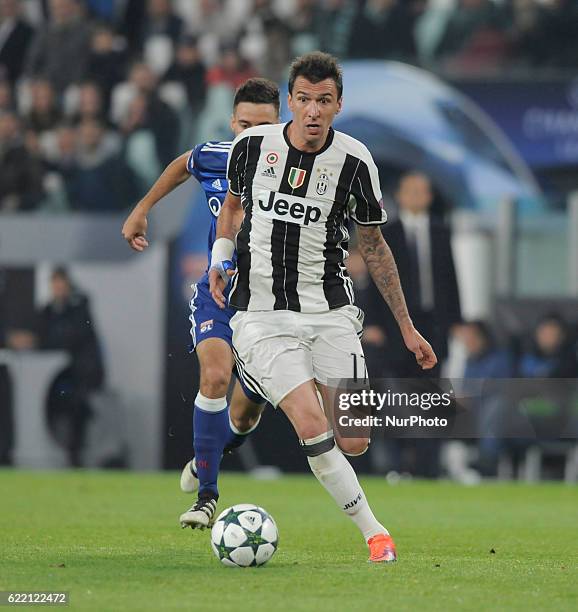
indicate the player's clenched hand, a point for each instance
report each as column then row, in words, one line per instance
column 420, row 347
column 217, row 285
column 134, row 230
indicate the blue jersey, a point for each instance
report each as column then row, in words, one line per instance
column 208, row 164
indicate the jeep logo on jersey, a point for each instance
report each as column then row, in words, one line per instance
column 296, row 177
column 289, row 208
column 322, row 184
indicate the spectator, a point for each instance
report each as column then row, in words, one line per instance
column 485, row 360
column 162, row 28
column 553, row 352
column 15, row 37
column 89, row 103
column 266, row 40
column 21, row 173
column 550, row 407
column 66, row 323
column 130, row 23
column 421, row 246
column 140, row 143
column 160, row 117
column 103, row 9
column 99, row 179
column 473, row 24
column 383, row 29
column 54, row 194
column 525, row 15
column 44, row 113
column 545, row 34
column 6, row 97
column 160, row 20
column 107, row 59
column 189, row 70
column 60, row 49
column 334, row 26
column 216, row 23
column 60, row 151
column 304, row 24
column 232, row 69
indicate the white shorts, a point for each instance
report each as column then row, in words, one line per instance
column 276, row 351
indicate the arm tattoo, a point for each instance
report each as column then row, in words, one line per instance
column 238, row 217
column 381, row 265
column 230, row 217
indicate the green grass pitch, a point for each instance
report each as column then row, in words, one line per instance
column 113, row 541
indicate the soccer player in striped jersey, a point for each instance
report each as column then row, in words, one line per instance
column 216, row 429
column 296, row 330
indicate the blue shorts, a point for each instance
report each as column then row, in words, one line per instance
column 210, row 321
column 207, row 319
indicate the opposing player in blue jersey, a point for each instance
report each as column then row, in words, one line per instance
column 256, row 102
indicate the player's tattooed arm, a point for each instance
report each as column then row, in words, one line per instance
column 238, row 217
column 381, row 265
column 230, row 217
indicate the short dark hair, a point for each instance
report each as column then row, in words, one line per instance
column 483, row 330
column 553, row 317
column 258, row 91
column 316, row 67
column 61, row 272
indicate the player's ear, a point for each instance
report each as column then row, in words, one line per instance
column 232, row 123
column 290, row 102
column 339, row 105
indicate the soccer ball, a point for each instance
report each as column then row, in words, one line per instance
column 244, row 536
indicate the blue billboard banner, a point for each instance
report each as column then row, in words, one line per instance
column 540, row 117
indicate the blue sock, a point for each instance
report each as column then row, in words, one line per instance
column 236, row 437
column 210, row 434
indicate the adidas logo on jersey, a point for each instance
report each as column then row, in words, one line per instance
column 269, row 173
column 289, row 208
column 217, row 184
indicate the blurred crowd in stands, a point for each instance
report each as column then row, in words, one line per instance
column 97, row 96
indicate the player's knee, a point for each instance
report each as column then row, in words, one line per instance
column 310, row 426
column 354, row 447
column 318, row 445
column 215, row 381
column 244, row 422
column 303, row 410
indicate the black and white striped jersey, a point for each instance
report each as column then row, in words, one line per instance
column 292, row 245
